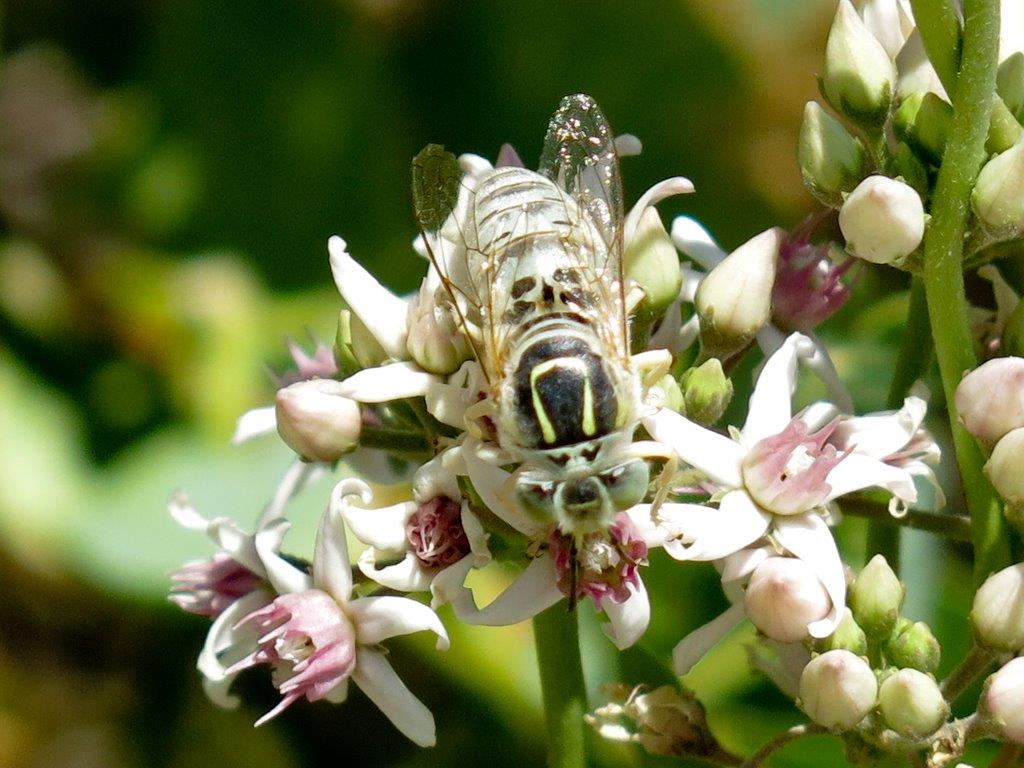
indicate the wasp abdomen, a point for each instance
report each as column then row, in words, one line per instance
column 562, row 394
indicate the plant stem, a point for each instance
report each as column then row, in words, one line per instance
column 556, row 635
column 394, row 440
column 911, row 364
column 784, row 738
column 955, row 527
column 970, row 669
column 943, row 260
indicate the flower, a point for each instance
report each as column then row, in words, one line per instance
column 911, row 703
column 998, row 610
column 207, row 587
column 415, row 543
column 882, row 220
column 1002, row 701
column 317, row 638
column 784, row 597
column 604, row 567
column 774, row 478
column 809, row 285
column 838, row 689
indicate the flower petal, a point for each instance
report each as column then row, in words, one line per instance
column 284, row 577
column 383, row 313
column 741, row 564
column 770, row 339
column 447, row 586
column 881, row 434
column 771, row 409
column 857, row 471
column 692, row 648
column 255, row 423
column 331, row 569
column 808, row 538
column 715, row 455
column 387, row 382
column 677, row 185
column 299, row 475
column 378, row 618
column 628, row 620
column 379, row 466
column 382, row 685
column 535, row 590
column 493, row 485
column 380, row 527
column 227, row 644
column 690, row 237
column 715, row 533
column 645, row 527
column 407, row 575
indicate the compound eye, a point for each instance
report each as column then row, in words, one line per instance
column 627, row 483
column 537, row 498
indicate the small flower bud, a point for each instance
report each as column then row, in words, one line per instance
column 1002, row 701
column 435, row 342
column 923, row 120
column 876, row 598
column 651, row 261
column 990, row 399
column 882, row 220
column 706, row 392
column 913, row 645
column 1004, row 468
column 859, row 76
column 831, row 160
column 838, row 689
column 998, row 611
column 998, row 196
column 1010, row 83
column 734, row 300
column 912, row 704
column 367, row 350
column 316, row 423
column 784, row 596
column 848, row 637
column 673, row 395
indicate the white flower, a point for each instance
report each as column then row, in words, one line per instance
column 775, row 478
column 415, row 544
column 317, row 637
column 606, row 563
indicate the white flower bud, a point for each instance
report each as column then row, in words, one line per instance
column 990, row 399
column 1005, row 467
column 838, row 690
column 734, row 300
column 652, row 262
column 831, row 160
column 784, row 596
column 882, row 220
column 998, row 196
column 859, row 76
column 998, row 612
column 316, row 423
column 1002, row 701
column 912, row 704
column 435, row 342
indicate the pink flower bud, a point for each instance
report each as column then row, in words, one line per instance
column 316, row 423
column 1003, row 701
column 838, row 690
column 998, row 611
column 990, row 399
column 882, row 220
column 784, row 596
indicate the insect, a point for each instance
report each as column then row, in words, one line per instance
column 531, row 263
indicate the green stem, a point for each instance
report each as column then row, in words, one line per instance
column 911, row 364
column 955, row 527
column 393, row 440
column 943, row 260
column 556, row 635
column 784, row 738
column 970, row 669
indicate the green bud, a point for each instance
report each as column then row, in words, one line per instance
column 923, row 121
column 1003, row 128
column 706, row 392
column 913, row 645
column 910, row 168
column 347, row 363
column 734, row 300
column 365, row 347
column 912, row 704
column 831, row 159
column 673, row 394
column 651, row 261
column 848, row 637
column 876, row 598
column 998, row 196
column 1010, row 83
column 859, row 76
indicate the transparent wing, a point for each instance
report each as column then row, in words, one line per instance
column 579, row 156
column 441, row 195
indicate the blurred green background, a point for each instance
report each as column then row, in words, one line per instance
column 170, row 171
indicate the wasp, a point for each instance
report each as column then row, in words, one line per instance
column 531, row 263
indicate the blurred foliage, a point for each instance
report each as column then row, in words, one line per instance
column 169, row 175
